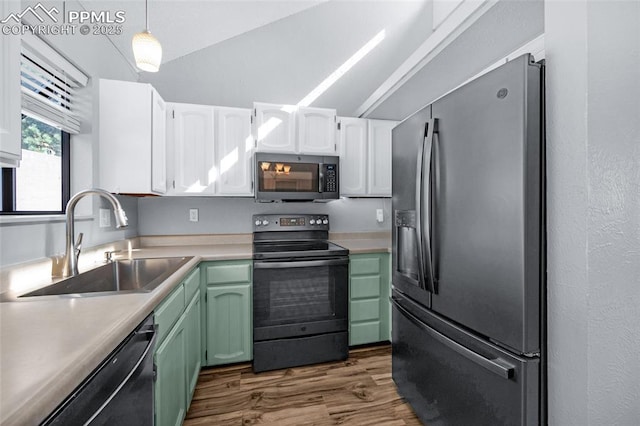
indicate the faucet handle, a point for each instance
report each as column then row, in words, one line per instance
column 78, row 244
column 108, row 256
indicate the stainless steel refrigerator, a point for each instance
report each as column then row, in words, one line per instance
column 469, row 253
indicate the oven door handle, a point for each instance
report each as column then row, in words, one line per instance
column 302, row 264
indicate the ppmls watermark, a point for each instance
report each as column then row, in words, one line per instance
column 50, row 21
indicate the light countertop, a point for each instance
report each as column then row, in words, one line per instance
column 48, row 346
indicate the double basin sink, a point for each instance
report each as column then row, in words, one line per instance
column 117, row 277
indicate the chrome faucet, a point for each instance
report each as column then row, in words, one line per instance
column 72, row 251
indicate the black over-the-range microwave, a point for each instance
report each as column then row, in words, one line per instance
column 293, row 177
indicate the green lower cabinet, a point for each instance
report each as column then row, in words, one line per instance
column 192, row 347
column 171, row 382
column 369, row 289
column 229, row 314
column 229, row 326
column 178, row 351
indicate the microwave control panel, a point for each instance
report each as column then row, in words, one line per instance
column 330, row 178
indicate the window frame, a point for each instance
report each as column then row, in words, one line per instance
column 9, row 185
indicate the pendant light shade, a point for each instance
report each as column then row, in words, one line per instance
column 147, row 51
column 146, row 48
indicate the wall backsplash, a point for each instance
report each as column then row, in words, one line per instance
column 170, row 216
column 25, row 241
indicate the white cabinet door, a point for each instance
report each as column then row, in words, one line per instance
column 193, row 142
column 234, row 146
column 125, row 136
column 158, row 144
column 10, row 126
column 353, row 156
column 273, row 127
column 316, row 130
column 379, row 157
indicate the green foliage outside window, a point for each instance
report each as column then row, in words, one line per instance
column 40, row 137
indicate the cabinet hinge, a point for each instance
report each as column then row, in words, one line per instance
column 155, row 372
column 335, row 147
column 173, row 113
column 335, row 118
column 255, row 144
column 205, row 297
column 339, row 125
column 174, row 184
column 252, row 119
column 251, row 185
column 206, row 355
column 255, row 112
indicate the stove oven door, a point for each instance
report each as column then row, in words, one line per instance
column 300, row 297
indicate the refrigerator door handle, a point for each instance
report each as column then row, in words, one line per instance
column 423, row 172
column 419, row 179
column 497, row 365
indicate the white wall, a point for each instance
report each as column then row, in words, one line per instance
column 21, row 241
column 593, row 159
column 501, row 30
column 170, row 215
column 283, row 61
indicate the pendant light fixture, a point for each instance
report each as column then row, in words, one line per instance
column 146, row 48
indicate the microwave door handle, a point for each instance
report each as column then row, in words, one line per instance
column 321, row 178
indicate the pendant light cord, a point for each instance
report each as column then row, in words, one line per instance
column 146, row 14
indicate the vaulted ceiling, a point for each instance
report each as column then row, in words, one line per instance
column 185, row 26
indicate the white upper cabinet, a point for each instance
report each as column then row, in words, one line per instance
column 192, row 140
column 131, row 138
column 10, row 127
column 365, row 157
column 379, row 157
column 295, row 130
column 316, row 130
column 274, row 127
column 159, row 144
column 353, row 156
column 234, row 145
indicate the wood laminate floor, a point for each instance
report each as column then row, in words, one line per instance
column 358, row 391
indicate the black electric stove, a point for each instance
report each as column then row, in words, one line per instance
column 300, row 292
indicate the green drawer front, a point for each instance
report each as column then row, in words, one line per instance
column 191, row 285
column 366, row 286
column 365, row 265
column 363, row 310
column 366, row 332
column 169, row 311
column 229, row 273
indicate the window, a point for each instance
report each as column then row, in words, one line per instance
column 41, row 184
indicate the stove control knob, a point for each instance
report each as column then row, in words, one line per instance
column 258, row 222
column 312, row 222
column 325, row 221
column 265, row 222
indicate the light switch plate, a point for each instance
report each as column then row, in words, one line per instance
column 379, row 215
column 193, row 215
column 105, row 218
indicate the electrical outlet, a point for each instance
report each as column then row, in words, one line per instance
column 105, row 218
column 379, row 215
column 193, row 215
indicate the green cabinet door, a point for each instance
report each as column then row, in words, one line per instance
column 229, row 324
column 171, row 382
column 192, row 347
column 369, row 289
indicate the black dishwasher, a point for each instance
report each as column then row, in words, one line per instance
column 119, row 391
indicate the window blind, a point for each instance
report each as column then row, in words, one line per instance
column 49, row 89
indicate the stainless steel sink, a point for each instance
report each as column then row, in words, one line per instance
column 120, row 276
